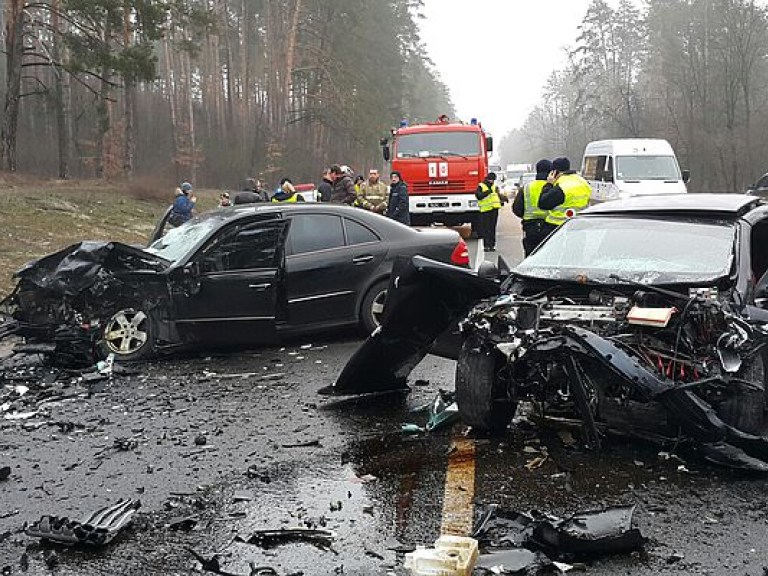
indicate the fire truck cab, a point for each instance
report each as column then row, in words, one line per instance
column 442, row 163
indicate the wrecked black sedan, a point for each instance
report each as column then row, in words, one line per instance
column 643, row 316
column 241, row 275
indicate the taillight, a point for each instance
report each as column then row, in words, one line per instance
column 460, row 255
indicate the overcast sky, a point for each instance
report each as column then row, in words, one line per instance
column 495, row 55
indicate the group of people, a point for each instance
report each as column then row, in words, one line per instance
column 557, row 193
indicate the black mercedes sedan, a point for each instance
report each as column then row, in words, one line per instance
column 234, row 276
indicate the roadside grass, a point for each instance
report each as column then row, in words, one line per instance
column 38, row 217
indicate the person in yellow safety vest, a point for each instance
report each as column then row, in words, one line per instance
column 526, row 207
column 489, row 201
column 287, row 193
column 564, row 195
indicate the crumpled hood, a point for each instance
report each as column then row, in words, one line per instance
column 74, row 269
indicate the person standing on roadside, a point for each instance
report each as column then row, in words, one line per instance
column 373, row 193
column 397, row 203
column 489, row 204
column 325, row 188
column 251, row 193
column 526, row 207
column 183, row 205
column 343, row 186
column 564, row 195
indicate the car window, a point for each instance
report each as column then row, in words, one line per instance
column 244, row 247
column 358, row 234
column 763, row 182
column 313, row 232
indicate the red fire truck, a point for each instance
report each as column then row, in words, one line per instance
column 442, row 162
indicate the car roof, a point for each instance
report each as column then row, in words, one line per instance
column 700, row 205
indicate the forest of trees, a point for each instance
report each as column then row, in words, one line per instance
column 692, row 71
column 208, row 90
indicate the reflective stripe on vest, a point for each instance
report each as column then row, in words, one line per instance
column 577, row 193
column 490, row 202
column 531, row 193
column 291, row 199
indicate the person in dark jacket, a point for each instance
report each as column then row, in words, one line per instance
column 343, row 186
column 287, row 193
column 564, row 195
column 526, row 207
column 325, row 188
column 397, row 205
column 251, row 193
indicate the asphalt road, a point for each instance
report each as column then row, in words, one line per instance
column 239, row 441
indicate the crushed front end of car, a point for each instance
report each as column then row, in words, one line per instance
column 88, row 300
column 651, row 363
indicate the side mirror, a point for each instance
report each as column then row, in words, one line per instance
column 488, row 270
column 192, row 269
column 686, row 176
column 489, row 144
column 385, row 152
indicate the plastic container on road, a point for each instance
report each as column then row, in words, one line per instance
column 451, row 556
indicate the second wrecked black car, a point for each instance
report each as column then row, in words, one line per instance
column 235, row 276
column 642, row 316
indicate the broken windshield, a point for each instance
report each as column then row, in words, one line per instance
column 438, row 143
column 179, row 242
column 644, row 250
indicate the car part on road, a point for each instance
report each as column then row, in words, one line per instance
column 513, row 561
column 95, row 529
column 5, row 472
column 451, row 556
column 583, row 535
column 270, row 538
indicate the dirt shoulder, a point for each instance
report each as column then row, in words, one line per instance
column 38, row 217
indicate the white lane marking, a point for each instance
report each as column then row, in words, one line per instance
column 459, row 488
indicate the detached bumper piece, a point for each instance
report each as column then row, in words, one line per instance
column 98, row 528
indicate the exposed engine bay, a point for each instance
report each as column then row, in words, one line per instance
column 671, row 363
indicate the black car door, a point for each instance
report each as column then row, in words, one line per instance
column 330, row 260
column 237, row 293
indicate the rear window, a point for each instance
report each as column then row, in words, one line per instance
column 358, row 234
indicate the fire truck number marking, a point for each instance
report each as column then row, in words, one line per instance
column 433, row 169
column 443, row 169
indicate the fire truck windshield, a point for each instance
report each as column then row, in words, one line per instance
column 438, row 144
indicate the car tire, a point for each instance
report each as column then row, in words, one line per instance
column 129, row 334
column 745, row 410
column 481, row 394
column 373, row 306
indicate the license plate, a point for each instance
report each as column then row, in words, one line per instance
column 438, row 204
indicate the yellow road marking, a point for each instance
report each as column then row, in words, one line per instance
column 459, row 488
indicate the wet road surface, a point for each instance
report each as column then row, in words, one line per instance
column 240, row 442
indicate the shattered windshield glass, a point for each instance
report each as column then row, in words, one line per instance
column 640, row 249
column 179, row 242
column 438, row 144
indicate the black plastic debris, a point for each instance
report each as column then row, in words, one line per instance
column 519, row 561
column 96, row 529
column 272, row 538
column 5, row 472
column 585, row 534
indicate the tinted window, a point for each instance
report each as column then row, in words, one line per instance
column 312, row 232
column 763, row 182
column 358, row 234
column 242, row 248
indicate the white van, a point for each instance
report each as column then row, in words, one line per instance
column 632, row 167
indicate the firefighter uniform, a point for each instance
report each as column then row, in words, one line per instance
column 488, row 203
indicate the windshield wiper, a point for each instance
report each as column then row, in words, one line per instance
column 447, row 153
column 670, row 293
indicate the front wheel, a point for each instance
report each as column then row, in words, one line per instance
column 481, row 393
column 372, row 308
column 129, row 334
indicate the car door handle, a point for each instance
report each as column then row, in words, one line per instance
column 260, row 287
column 362, row 259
